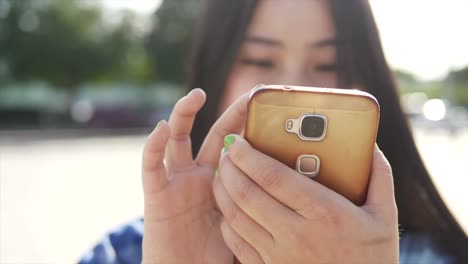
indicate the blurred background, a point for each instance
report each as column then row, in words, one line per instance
column 83, row 81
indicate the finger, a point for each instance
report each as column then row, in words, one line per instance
column 179, row 151
column 247, row 228
column 253, row 200
column 381, row 192
column 244, row 252
column 283, row 183
column 231, row 122
column 153, row 169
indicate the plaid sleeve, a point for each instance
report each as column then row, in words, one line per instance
column 122, row 246
column 420, row 249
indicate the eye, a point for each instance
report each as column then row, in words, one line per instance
column 332, row 67
column 258, row 62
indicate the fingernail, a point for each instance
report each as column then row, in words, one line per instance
column 160, row 123
column 191, row 92
column 228, row 141
column 223, row 151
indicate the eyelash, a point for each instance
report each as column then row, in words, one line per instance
column 258, row 62
column 326, row 67
column 269, row 64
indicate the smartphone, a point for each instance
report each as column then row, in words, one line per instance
column 324, row 133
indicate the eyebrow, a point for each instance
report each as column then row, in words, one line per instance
column 324, row 43
column 264, row 41
column 276, row 43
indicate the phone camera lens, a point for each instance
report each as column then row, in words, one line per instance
column 313, row 126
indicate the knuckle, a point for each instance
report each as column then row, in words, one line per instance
column 293, row 233
column 219, row 130
column 384, row 165
column 388, row 169
column 245, row 191
column 268, row 176
column 155, row 142
column 333, row 218
column 327, row 214
column 180, row 137
column 183, row 111
column 301, row 242
column 237, row 247
column 237, row 153
column 231, row 214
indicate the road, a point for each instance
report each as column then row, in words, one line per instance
column 59, row 196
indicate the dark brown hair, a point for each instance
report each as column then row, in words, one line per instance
column 361, row 62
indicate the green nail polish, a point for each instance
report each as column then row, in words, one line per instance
column 223, row 151
column 228, row 141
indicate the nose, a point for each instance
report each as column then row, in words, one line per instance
column 293, row 75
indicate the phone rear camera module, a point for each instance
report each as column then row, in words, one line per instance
column 309, row 127
column 312, row 126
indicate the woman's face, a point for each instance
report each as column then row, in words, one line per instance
column 288, row 42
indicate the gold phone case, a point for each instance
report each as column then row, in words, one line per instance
column 341, row 158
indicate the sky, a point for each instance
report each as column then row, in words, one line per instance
column 424, row 37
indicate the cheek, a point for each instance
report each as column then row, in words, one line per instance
column 240, row 81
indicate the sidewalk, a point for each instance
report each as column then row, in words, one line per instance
column 59, row 196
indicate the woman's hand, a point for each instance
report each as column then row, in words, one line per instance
column 181, row 220
column 273, row 214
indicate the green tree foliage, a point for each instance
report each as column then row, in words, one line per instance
column 459, row 80
column 67, row 43
column 453, row 88
column 169, row 40
column 459, row 75
column 406, row 81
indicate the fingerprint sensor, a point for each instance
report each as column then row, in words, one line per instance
column 309, row 165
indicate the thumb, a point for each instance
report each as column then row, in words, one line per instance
column 381, row 193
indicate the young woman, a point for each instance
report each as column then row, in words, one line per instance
column 253, row 207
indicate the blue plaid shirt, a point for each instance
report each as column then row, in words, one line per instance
column 123, row 246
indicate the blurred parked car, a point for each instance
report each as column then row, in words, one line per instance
column 36, row 105
column 32, row 105
column 437, row 114
column 122, row 106
column 109, row 107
